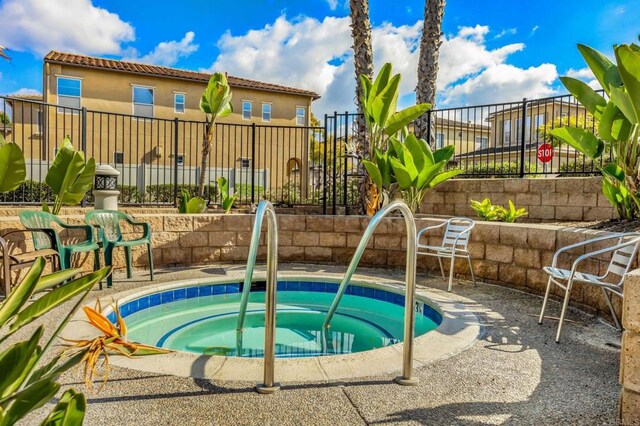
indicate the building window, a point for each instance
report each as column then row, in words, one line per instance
column 246, row 110
column 483, row 141
column 266, row 112
column 506, row 131
column 38, row 122
column 245, row 162
column 439, row 140
column 180, row 159
column 301, row 119
column 118, row 157
column 69, row 93
column 143, row 101
column 538, row 121
column 178, row 103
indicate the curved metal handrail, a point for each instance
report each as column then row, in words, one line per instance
column 265, row 208
column 410, row 282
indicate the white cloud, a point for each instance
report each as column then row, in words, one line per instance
column 333, row 4
column 70, row 25
column 507, row 31
column 317, row 55
column 167, row 53
column 585, row 75
column 27, row 91
column 534, row 29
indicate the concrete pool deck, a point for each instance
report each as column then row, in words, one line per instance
column 514, row 374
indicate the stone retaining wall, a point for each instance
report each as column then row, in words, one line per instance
column 509, row 254
column 556, row 199
column 630, row 356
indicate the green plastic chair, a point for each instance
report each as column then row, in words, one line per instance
column 110, row 236
column 45, row 236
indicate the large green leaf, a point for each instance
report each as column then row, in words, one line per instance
column 22, row 292
column 58, row 297
column 407, row 162
column 374, row 172
column 629, row 66
column 417, row 152
column 623, row 101
column 51, row 280
column 582, row 140
column 27, row 400
column 12, row 167
column 602, row 68
column 69, row 411
column 380, row 82
column 53, row 370
column 402, row 118
column 17, row 361
column 401, row 174
column 444, row 176
column 61, row 163
column 589, row 98
column 365, row 83
column 196, row 205
column 82, row 184
column 382, row 161
column 444, row 154
column 427, row 174
column 385, row 102
column 613, row 170
column 613, row 125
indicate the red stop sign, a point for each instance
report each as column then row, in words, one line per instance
column 545, row 153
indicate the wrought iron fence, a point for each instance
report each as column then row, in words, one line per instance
column 286, row 164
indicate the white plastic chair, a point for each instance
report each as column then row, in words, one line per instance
column 624, row 251
column 454, row 244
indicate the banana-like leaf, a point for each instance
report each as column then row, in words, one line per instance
column 196, row 205
column 602, row 68
column 374, row 172
column 378, row 85
column 387, row 99
column 444, row 176
column 52, row 370
column 444, row 154
column 69, row 411
column 402, row 118
column 12, row 167
column 365, row 83
column 81, row 185
column 17, row 361
column 611, row 193
column 629, row 67
column 613, row 125
column 58, row 297
column 580, row 139
column 589, row 98
column 382, row 160
column 427, row 174
column 622, row 99
column 408, row 163
column 22, row 292
column 29, row 399
column 64, row 160
column 51, row 280
column 227, row 203
column 613, row 170
column 417, row 151
column 401, row 173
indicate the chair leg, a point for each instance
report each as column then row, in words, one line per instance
column 127, row 251
column 544, row 301
column 453, row 259
column 108, row 261
column 150, row 254
column 96, row 259
column 441, row 267
column 565, row 304
column 613, row 311
column 473, row 276
column 66, row 260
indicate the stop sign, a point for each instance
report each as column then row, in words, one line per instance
column 545, row 153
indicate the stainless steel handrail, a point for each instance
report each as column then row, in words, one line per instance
column 264, row 208
column 410, row 283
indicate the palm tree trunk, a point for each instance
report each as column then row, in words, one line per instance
column 206, row 149
column 428, row 62
column 363, row 61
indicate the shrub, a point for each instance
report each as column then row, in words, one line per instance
column 495, row 169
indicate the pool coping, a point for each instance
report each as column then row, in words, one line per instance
column 459, row 330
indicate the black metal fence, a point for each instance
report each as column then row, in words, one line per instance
column 286, row 164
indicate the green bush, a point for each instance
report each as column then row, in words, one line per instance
column 29, row 191
column 493, row 169
column 578, row 167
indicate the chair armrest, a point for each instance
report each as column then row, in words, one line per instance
column 429, row 228
column 581, row 244
column 88, row 230
column 146, row 227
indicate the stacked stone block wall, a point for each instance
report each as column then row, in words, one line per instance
column 630, row 354
column 546, row 200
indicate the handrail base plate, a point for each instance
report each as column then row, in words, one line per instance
column 267, row 389
column 411, row 381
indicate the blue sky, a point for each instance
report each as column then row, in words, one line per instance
column 492, row 51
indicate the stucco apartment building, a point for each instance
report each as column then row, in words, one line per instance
column 131, row 124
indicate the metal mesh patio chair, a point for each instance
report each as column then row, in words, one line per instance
column 454, row 244
column 623, row 249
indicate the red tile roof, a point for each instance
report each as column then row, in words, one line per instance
column 166, row 72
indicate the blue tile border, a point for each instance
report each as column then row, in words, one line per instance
column 173, row 295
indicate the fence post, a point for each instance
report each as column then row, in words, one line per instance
column 346, row 159
column 175, row 162
column 253, row 163
column 335, row 158
column 324, row 165
column 83, row 140
column 429, row 128
column 523, row 133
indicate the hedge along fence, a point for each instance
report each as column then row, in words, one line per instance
column 507, row 254
column 557, row 199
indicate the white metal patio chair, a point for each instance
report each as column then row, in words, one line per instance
column 454, row 244
column 624, row 251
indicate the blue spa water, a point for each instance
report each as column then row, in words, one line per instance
column 204, row 321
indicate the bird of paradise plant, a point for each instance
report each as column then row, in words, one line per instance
column 112, row 341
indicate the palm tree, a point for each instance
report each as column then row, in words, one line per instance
column 363, row 61
column 428, row 63
column 2, row 54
